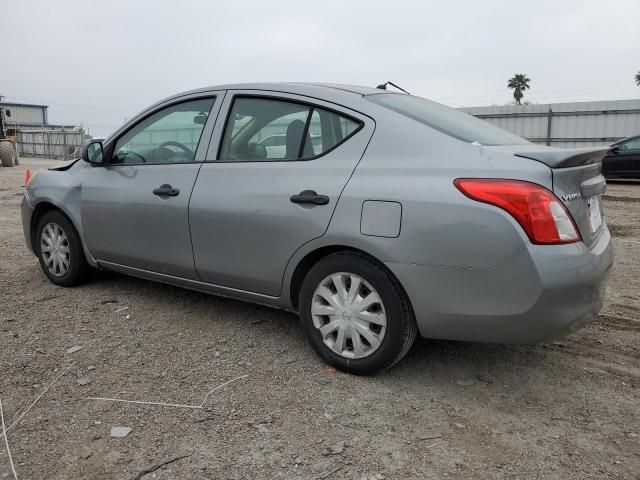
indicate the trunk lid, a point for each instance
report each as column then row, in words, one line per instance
column 577, row 182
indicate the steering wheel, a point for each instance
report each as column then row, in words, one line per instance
column 123, row 162
column 182, row 147
column 144, row 160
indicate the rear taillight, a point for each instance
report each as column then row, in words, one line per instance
column 540, row 213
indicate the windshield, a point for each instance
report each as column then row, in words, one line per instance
column 448, row 120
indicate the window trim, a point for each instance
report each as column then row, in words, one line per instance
column 305, row 132
column 111, row 146
column 310, row 105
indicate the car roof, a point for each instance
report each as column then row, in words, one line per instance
column 349, row 96
column 303, row 88
column 357, row 89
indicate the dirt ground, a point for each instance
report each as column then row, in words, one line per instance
column 565, row 410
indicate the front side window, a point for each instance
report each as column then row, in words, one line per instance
column 448, row 120
column 170, row 135
column 633, row 144
column 260, row 129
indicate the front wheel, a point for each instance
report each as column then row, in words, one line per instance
column 59, row 250
column 355, row 314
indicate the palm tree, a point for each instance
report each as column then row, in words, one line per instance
column 638, row 79
column 519, row 83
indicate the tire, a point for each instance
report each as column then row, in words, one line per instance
column 6, row 154
column 68, row 246
column 391, row 341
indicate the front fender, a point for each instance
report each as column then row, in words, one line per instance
column 61, row 190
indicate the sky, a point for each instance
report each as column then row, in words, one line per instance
column 97, row 63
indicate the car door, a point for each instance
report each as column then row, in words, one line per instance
column 134, row 209
column 253, row 207
column 623, row 160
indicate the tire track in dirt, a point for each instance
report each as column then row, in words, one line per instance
column 624, row 231
column 621, row 364
column 612, row 198
column 620, row 323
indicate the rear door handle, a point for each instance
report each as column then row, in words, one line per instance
column 310, row 197
column 166, row 190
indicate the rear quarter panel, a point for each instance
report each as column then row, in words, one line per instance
column 414, row 165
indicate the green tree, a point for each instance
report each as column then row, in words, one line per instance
column 638, row 79
column 519, row 83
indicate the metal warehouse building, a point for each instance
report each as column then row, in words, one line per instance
column 21, row 114
column 577, row 124
column 25, row 115
column 35, row 136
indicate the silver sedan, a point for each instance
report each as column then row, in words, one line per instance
column 381, row 215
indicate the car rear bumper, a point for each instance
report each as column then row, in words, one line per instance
column 26, row 211
column 538, row 293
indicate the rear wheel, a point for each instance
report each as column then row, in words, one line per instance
column 355, row 314
column 59, row 250
column 6, row 154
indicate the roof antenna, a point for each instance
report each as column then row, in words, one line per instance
column 384, row 87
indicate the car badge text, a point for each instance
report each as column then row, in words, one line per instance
column 571, row 196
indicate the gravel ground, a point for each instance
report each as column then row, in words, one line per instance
column 569, row 410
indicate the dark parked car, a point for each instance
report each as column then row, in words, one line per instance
column 623, row 160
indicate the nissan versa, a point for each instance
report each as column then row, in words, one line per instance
column 400, row 216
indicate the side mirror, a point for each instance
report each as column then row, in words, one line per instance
column 92, row 152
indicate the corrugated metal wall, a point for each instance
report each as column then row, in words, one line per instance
column 578, row 124
column 50, row 143
column 25, row 114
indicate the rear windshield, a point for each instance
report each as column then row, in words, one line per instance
column 448, row 120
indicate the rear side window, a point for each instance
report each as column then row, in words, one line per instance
column 326, row 130
column 448, row 120
column 260, row 129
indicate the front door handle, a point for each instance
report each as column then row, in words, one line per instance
column 166, row 190
column 311, row 197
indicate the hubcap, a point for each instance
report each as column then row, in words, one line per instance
column 54, row 247
column 349, row 314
